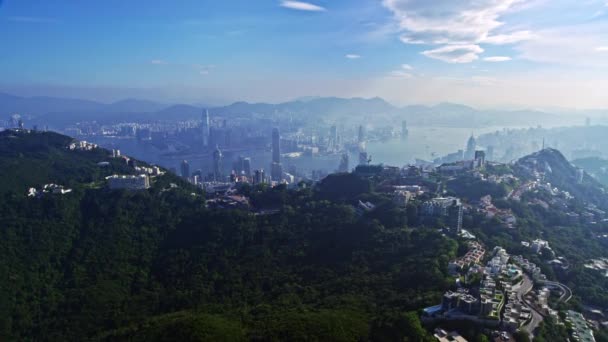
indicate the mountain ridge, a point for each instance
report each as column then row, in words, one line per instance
column 62, row 111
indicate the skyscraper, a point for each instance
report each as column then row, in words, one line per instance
column 344, row 161
column 469, row 154
column 185, row 168
column 259, row 177
column 217, row 165
column 480, row 159
column 404, row 131
column 247, row 167
column 205, row 129
column 333, row 143
column 363, row 158
column 490, row 153
column 276, row 146
column 361, row 135
column 276, row 170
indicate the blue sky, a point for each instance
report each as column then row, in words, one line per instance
column 488, row 53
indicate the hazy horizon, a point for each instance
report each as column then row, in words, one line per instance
column 485, row 54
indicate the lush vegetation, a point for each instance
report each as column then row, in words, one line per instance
column 158, row 265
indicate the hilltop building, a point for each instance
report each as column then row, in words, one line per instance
column 140, row 182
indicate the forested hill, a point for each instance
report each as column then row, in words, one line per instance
column 32, row 159
column 556, row 169
column 96, row 264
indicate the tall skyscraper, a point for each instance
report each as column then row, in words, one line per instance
column 344, row 163
column 404, row 131
column 276, row 146
column 259, row 177
column 480, row 159
column 361, row 135
column 276, row 170
column 185, row 168
column 469, row 154
column 205, row 129
column 217, row 165
column 363, row 158
column 490, row 153
column 333, row 143
column 247, row 167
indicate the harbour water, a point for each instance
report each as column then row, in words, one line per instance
column 424, row 143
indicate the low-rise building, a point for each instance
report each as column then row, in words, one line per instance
column 129, row 182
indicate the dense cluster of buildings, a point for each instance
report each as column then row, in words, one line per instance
column 473, row 256
column 506, row 216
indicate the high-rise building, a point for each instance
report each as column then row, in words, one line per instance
column 276, row 170
column 490, row 153
column 404, row 131
column 361, row 135
column 259, row 177
column 363, row 158
column 344, row 161
column 480, row 159
column 217, row 165
column 469, row 153
column 185, row 168
column 247, row 167
column 276, row 145
column 333, row 143
column 237, row 166
column 205, row 129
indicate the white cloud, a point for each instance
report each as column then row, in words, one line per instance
column 455, row 53
column 352, row 56
column 462, row 23
column 449, row 21
column 510, row 38
column 302, row 6
column 404, row 72
column 569, row 46
column 497, row 59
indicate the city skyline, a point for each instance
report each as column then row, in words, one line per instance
column 482, row 53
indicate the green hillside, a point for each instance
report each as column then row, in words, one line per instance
column 157, row 264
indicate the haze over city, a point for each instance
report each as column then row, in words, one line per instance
column 304, row 170
column 489, row 53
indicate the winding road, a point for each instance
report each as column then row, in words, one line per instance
column 537, row 317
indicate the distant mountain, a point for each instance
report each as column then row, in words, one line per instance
column 134, row 105
column 60, row 112
column 10, row 104
column 177, row 112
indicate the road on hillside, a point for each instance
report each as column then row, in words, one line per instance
column 537, row 317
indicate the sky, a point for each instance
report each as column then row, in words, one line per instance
column 485, row 53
